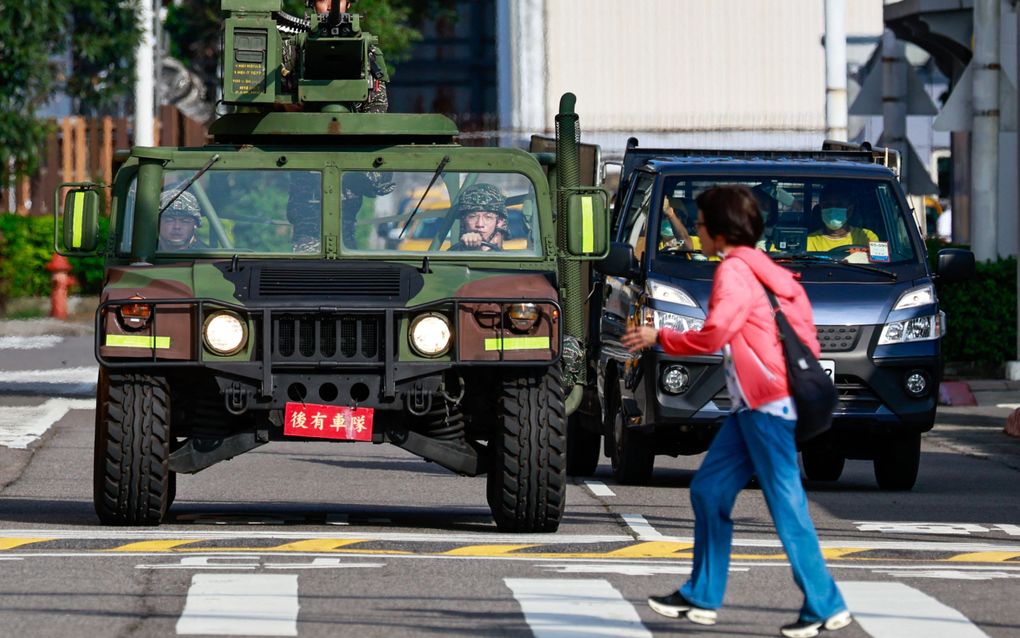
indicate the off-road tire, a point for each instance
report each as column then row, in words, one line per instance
column 632, row 456
column 132, row 484
column 584, row 447
column 897, row 462
column 526, row 485
column 821, row 464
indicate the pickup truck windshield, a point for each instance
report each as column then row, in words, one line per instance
column 399, row 213
column 847, row 220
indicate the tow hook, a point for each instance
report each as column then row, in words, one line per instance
column 419, row 400
column 236, row 399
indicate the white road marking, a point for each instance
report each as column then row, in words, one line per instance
column 21, row 425
column 324, row 563
column 204, row 562
column 29, row 343
column 1008, row 406
column 947, row 574
column 1012, row 530
column 959, row 529
column 598, row 488
column 887, row 610
column 642, row 528
column 84, row 374
column 625, row 569
column 561, row 608
column 241, row 604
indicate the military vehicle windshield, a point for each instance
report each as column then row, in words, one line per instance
column 246, row 211
column 398, row 212
column 847, row 220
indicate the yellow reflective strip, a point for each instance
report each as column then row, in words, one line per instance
column 518, row 343
column 650, row 549
column 11, row 543
column 984, row 557
column 151, row 546
column 486, row 550
column 587, row 225
column 77, row 219
column 138, row 341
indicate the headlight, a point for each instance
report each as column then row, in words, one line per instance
column 523, row 315
column 680, row 323
column 920, row 296
column 917, row 329
column 224, row 333
column 431, row 334
column 662, row 292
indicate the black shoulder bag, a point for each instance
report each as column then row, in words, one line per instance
column 811, row 389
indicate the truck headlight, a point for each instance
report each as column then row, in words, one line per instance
column 680, row 323
column 672, row 294
column 523, row 315
column 431, row 334
column 920, row 296
column 224, row 333
column 916, row 329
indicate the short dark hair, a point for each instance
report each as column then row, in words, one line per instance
column 732, row 211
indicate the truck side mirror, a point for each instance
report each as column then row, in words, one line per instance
column 587, row 221
column 80, row 217
column 620, row 262
column 955, row 265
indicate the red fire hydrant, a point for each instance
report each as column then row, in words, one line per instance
column 61, row 282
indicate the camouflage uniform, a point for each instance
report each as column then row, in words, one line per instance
column 483, row 198
column 184, row 205
column 304, row 205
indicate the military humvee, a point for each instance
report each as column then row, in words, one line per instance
column 290, row 315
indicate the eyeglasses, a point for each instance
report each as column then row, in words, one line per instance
column 487, row 216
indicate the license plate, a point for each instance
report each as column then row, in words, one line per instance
column 328, row 422
column 830, row 367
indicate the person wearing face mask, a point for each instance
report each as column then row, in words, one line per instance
column 837, row 210
column 673, row 235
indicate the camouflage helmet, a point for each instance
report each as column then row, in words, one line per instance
column 481, row 197
column 184, row 206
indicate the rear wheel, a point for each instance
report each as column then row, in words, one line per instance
column 526, row 485
column 632, row 455
column 132, row 484
column 897, row 462
column 584, row 446
column 823, row 464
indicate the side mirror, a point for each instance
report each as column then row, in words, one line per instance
column 955, row 265
column 80, row 221
column 587, row 222
column 620, row 262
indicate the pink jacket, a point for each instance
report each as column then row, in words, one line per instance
column 739, row 314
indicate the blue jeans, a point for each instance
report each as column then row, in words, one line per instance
column 751, row 442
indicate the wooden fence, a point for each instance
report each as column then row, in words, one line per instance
column 82, row 149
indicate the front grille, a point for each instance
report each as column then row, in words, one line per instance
column 343, row 338
column 855, row 395
column 838, row 338
column 329, row 282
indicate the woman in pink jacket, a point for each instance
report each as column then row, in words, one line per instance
column 757, row 438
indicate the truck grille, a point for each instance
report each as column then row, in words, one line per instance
column 327, row 281
column 838, row 338
column 855, row 395
column 342, row 338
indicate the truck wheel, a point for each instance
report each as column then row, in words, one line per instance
column 526, row 485
column 822, row 464
column 584, row 447
column 632, row 456
column 131, row 482
column 897, row 461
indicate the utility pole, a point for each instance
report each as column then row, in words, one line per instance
column 984, row 150
column 894, row 101
column 835, row 70
column 144, row 76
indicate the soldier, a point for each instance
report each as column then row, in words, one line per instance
column 483, row 219
column 178, row 223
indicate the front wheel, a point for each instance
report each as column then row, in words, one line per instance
column 132, row 484
column 526, row 485
column 896, row 464
column 821, row 464
column 632, row 455
column 584, row 446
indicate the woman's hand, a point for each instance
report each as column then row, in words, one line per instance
column 639, row 337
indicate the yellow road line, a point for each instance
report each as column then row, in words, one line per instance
column 485, row 550
column 650, row 549
column 152, row 546
column 11, row 543
column 984, row 557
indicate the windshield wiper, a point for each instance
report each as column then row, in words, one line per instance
column 191, row 180
column 823, row 259
column 435, row 176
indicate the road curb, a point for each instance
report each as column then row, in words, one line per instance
column 956, row 393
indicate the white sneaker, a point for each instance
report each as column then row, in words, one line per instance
column 810, row 629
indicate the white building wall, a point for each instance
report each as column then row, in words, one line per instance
column 736, row 68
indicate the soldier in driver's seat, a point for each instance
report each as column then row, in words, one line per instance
column 483, row 218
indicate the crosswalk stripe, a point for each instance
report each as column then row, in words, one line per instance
column 21, row 425
column 29, row 343
column 568, row 608
column 893, row 610
column 241, row 604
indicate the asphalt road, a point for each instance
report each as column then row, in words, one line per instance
column 335, row 539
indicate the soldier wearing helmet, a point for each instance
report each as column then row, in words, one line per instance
column 178, row 222
column 483, row 219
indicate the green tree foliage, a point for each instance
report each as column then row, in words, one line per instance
column 103, row 37
column 29, row 38
column 28, row 246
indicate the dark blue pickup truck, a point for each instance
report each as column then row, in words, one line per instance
column 840, row 221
